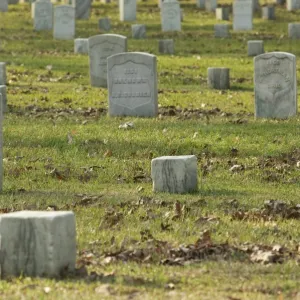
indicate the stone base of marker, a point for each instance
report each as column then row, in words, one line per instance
column 104, row 24
column 81, row 46
column 222, row 13
column 268, row 12
column 221, row 30
column 4, row 97
column 294, row 30
column 138, row 31
column 218, row 78
column 255, row 48
column 37, row 243
column 166, row 46
column 174, row 174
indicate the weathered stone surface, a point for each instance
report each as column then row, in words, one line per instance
column 43, row 15
column 81, row 46
column 294, row 30
column 200, row 4
column 218, row 78
column 255, row 48
column 242, row 15
column 166, row 46
column 82, row 9
column 104, row 24
column 138, row 31
column 132, row 84
column 2, row 73
column 64, row 22
column 210, row 5
column 170, row 16
column 275, row 85
column 222, row 13
column 3, row 5
column 127, row 10
column 37, row 243
column 292, row 5
column 100, row 47
column 221, row 30
column 268, row 12
column 4, row 98
column 174, row 174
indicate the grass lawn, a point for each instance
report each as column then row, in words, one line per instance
column 238, row 237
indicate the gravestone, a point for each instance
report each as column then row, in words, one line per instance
column 174, row 174
column 1, row 144
column 138, row 31
column 82, row 9
column 81, row 46
column 37, row 243
column 268, row 12
column 64, row 22
column 221, row 30
column 2, row 73
column 127, row 10
column 200, row 4
column 43, row 15
column 100, row 48
column 242, row 15
column 275, row 85
column 294, row 30
column 222, row 13
column 166, row 46
column 4, row 98
column 104, row 24
column 170, row 16
column 132, row 84
column 3, row 6
column 218, row 78
column 293, row 5
column 13, row 1
column 211, row 5
column 255, row 48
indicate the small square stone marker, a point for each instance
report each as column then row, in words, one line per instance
column 81, row 46
column 218, row 78
column 166, row 46
column 104, row 24
column 138, row 31
column 294, row 30
column 255, row 48
column 174, row 174
column 37, row 243
column 221, row 30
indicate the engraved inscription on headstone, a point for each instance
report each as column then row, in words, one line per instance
column 100, row 47
column 275, row 85
column 242, row 15
column 170, row 16
column 64, row 22
column 132, row 84
column 43, row 11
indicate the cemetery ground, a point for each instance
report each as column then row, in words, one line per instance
column 237, row 237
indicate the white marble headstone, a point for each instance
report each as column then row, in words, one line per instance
column 275, row 85
column 43, row 15
column 242, row 15
column 127, row 10
column 100, row 47
column 64, row 22
column 132, row 84
column 170, row 16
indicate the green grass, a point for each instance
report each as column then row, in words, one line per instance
column 60, row 149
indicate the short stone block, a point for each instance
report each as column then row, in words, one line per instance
column 174, row 174
column 221, row 30
column 104, row 24
column 268, row 12
column 81, row 46
column 294, row 30
column 2, row 73
column 37, row 243
column 138, row 31
column 218, row 78
column 4, row 97
column 166, row 46
column 222, row 13
column 255, row 48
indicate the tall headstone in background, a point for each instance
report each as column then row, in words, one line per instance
column 275, row 85
column 292, row 5
column 43, row 15
column 64, row 22
column 170, row 16
column 211, row 5
column 100, row 47
column 242, row 15
column 132, row 84
column 127, row 10
column 200, row 4
column 83, row 9
column 3, row 6
column 2, row 73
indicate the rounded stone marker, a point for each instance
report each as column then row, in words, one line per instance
column 255, row 48
column 218, row 78
column 174, row 174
